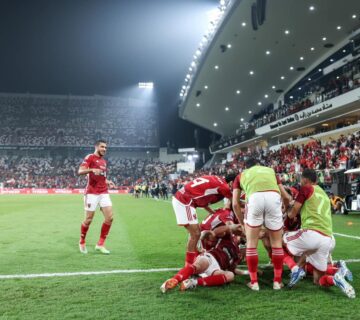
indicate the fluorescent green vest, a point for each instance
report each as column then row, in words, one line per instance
column 316, row 212
column 258, row 179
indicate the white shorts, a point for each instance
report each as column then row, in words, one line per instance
column 213, row 265
column 185, row 215
column 301, row 241
column 264, row 208
column 91, row 201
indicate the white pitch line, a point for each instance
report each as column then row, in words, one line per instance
column 92, row 273
column 346, row 236
column 84, row 273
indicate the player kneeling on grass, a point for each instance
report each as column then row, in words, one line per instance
column 216, row 266
column 315, row 239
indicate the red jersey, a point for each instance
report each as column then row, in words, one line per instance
column 96, row 183
column 226, row 253
column 204, row 191
column 219, row 218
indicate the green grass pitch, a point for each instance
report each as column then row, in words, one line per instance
column 39, row 234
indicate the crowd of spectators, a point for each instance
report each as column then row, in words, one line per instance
column 32, row 120
column 316, row 92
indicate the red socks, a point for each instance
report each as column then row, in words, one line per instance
column 104, row 232
column 277, row 260
column 252, row 260
column 190, row 257
column 326, row 281
column 216, row 280
column 83, row 231
column 331, row 270
column 289, row 261
column 185, row 273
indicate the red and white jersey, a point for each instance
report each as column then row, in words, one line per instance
column 219, row 218
column 227, row 253
column 96, row 183
column 203, row 191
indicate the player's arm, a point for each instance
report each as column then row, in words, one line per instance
column 295, row 210
column 85, row 170
column 237, row 206
column 222, row 231
column 209, row 210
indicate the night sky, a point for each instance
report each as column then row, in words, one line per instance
column 87, row 47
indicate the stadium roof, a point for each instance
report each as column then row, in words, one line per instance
column 237, row 75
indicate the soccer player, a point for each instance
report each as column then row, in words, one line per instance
column 315, row 238
column 215, row 267
column 263, row 206
column 96, row 194
column 199, row 193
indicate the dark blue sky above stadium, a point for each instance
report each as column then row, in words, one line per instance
column 103, row 47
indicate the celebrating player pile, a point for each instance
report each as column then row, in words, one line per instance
column 266, row 199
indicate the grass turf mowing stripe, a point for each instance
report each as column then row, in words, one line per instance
column 346, row 236
column 92, row 273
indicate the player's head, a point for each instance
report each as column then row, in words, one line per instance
column 308, row 176
column 250, row 162
column 229, row 178
column 100, row 147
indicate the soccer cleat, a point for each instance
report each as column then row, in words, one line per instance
column 253, row 286
column 188, row 284
column 102, row 249
column 82, row 248
column 296, row 276
column 278, row 285
column 345, row 287
column 168, row 285
column 346, row 273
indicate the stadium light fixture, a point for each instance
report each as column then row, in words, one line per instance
column 250, row 112
column 273, row 87
column 267, row 52
column 147, row 85
column 259, row 103
column 251, row 72
column 215, row 124
column 198, row 105
column 266, row 96
column 312, row 48
column 301, row 58
column 282, row 78
column 291, row 68
column 324, row 39
column 238, row 91
column 287, row 32
column 243, row 24
column 354, row 16
column 338, row 28
column 320, row 70
column 229, row 45
column 309, row 79
column 311, row 8
column 344, row 51
column 227, row 108
column 206, row 87
column 242, row 119
column 216, row 67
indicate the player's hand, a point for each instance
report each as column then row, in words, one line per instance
column 111, row 185
column 96, row 172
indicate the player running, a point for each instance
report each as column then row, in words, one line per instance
column 215, row 267
column 96, row 193
column 199, row 193
column 315, row 239
column 263, row 206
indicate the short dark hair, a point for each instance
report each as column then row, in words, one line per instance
column 250, row 162
column 310, row 174
column 98, row 142
column 230, row 177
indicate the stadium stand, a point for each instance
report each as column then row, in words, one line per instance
column 45, row 120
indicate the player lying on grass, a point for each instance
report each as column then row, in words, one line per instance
column 199, row 193
column 216, row 266
column 314, row 241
